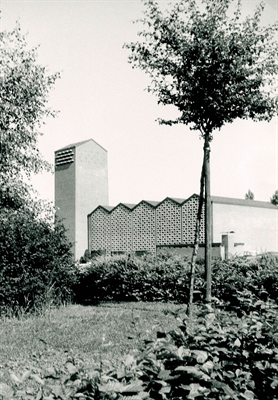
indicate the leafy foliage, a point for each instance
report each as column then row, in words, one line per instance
column 35, row 257
column 24, row 91
column 167, row 279
column 249, row 195
column 212, row 355
column 35, row 261
column 274, row 198
column 257, row 278
column 145, row 279
column 213, row 68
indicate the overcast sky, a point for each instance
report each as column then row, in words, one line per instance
column 100, row 96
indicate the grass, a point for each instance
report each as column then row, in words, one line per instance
column 93, row 335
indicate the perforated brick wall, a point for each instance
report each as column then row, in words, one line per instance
column 189, row 215
column 100, row 225
column 144, row 227
column 168, row 222
column 121, row 229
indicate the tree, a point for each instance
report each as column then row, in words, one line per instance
column 35, row 255
column 24, row 93
column 249, row 195
column 274, row 198
column 212, row 67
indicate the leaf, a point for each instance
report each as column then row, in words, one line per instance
column 229, row 392
column 207, row 366
column 165, row 389
column 201, row 356
column 195, row 390
column 193, row 371
column 38, row 379
column 25, row 375
column 135, row 397
column 237, row 343
column 129, row 360
column 121, row 373
column 50, row 372
column 274, row 384
column 6, row 391
column 134, row 387
column 111, row 387
column 182, row 352
column 22, row 379
column 15, row 378
column 39, row 395
column 71, row 368
column 164, row 374
column 58, row 391
column 248, row 395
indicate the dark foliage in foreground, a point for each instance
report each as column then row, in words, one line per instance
column 35, row 262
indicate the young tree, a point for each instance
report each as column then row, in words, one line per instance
column 274, row 198
column 212, row 67
column 249, row 195
column 24, row 93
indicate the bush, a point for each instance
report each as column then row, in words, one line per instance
column 166, row 278
column 258, row 276
column 142, row 279
column 35, row 262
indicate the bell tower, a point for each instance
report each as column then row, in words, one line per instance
column 81, row 184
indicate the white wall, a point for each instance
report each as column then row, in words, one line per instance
column 256, row 227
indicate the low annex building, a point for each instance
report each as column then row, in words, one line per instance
column 150, row 226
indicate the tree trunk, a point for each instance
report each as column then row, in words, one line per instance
column 196, row 240
column 208, row 236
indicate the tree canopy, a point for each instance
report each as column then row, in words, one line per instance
column 24, row 93
column 35, row 254
column 249, row 195
column 274, row 198
column 212, row 67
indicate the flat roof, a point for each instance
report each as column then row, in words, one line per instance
column 242, row 202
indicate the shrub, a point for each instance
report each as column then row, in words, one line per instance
column 35, row 260
column 258, row 276
column 166, row 278
column 143, row 279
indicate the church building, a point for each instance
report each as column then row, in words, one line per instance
column 81, row 197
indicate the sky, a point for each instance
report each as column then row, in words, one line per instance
column 100, row 96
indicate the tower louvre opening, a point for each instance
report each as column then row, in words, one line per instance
column 64, row 157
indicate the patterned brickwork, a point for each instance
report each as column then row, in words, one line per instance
column 121, row 229
column 144, row 227
column 168, row 222
column 189, row 214
column 100, row 225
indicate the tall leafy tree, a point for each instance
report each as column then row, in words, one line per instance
column 35, row 255
column 24, row 94
column 212, row 64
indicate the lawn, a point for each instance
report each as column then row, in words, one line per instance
column 94, row 335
